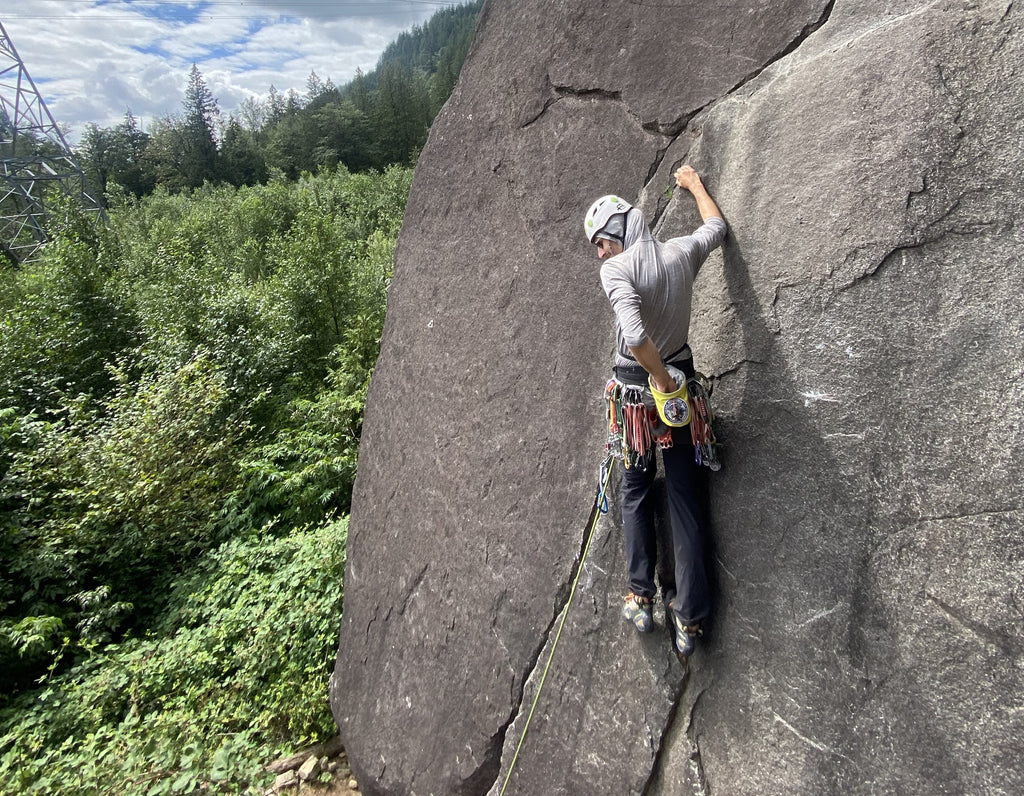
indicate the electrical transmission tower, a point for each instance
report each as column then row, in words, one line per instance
column 34, row 160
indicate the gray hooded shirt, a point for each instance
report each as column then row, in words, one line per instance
column 650, row 285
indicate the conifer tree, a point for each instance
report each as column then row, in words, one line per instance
column 314, row 87
column 275, row 105
column 359, row 93
column 402, row 113
column 240, row 160
column 198, row 133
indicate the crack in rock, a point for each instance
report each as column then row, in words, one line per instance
column 677, row 127
column 413, row 588
column 675, row 130
column 497, row 744
column 807, row 31
column 1005, row 643
column 557, row 93
column 700, row 781
column 659, row 760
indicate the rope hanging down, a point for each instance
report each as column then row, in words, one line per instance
column 600, row 507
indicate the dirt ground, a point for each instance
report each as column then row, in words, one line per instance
column 339, row 788
column 332, row 755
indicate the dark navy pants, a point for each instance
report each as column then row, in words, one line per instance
column 686, row 490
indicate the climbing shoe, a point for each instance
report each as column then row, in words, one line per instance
column 686, row 636
column 638, row 611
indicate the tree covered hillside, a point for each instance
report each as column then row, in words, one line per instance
column 376, row 120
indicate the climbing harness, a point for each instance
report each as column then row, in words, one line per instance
column 635, row 423
column 600, row 507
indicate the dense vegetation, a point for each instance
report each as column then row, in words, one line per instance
column 377, row 119
column 181, row 393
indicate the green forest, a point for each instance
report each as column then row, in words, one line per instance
column 182, row 384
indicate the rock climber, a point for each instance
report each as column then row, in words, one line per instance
column 650, row 286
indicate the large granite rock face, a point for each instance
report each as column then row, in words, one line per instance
column 863, row 327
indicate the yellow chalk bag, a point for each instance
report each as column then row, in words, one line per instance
column 674, row 407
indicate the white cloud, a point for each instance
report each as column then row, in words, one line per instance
column 92, row 60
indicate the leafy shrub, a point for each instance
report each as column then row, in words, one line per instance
column 238, row 665
column 268, row 279
column 195, row 371
column 138, row 479
column 179, row 393
column 308, row 469
column 62, row 321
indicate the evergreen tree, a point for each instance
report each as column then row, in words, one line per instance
column 97, row 155
column 198, row 136
column 289, row 145
column 275, row 105
column 292, row 103
column 359, row 93
column 133, row 174
column 401, row 114
column 316, row 88
column 240, row 160
column 344, row 137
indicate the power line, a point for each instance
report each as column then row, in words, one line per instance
column 301, row 3
column 189, row 4
column 201, row 15
column 139, row 8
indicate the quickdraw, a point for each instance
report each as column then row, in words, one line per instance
column 701, row 433
column 603, row 479
column 630, row 433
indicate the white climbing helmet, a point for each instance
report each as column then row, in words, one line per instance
column 601, row 212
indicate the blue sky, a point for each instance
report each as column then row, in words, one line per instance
column 93, row 60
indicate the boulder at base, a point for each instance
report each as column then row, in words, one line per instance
column 862, row 325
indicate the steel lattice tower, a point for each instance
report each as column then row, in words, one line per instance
column 34, row 159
